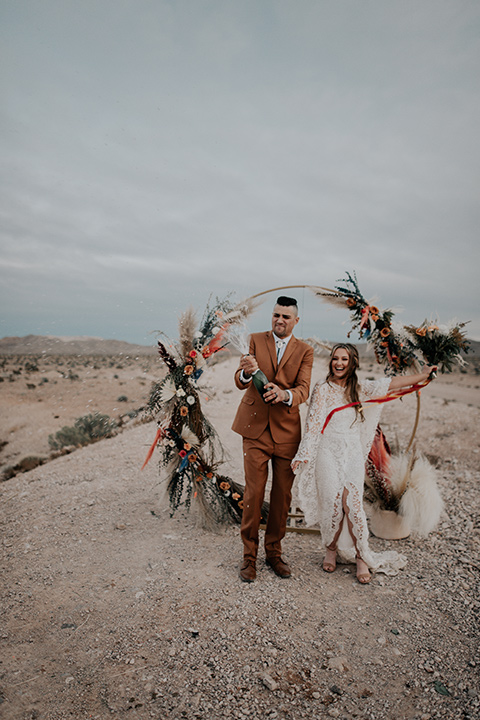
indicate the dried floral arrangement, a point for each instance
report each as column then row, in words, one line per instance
column 191, row 452
column 398, row 347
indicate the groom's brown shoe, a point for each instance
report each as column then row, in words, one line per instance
column 248, row 571
column 279, row 567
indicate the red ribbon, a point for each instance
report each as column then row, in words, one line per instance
column 386, row 398
column 159, row 435
column 365, row 314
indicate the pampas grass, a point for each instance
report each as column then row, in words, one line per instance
column 187, row 326
column 319, row 346
column 414, row 479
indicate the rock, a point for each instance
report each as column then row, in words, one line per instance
column 333, row 712
column 338, row 663
column 269, row 682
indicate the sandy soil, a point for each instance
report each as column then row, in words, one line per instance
column 112, row 608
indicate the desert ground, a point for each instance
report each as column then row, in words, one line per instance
column 113, row 608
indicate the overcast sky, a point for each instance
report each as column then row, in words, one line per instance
column 159, row 152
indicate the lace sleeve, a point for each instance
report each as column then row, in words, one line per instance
column 375, row 388
column 307, row 450
column 371, row 389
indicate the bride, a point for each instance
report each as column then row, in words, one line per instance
column 332, row 465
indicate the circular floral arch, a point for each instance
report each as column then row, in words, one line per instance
column 190, row 449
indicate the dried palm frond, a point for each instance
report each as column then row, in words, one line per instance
column 189, row 436
column 167, row 391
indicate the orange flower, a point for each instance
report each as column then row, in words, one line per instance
column 236, row 496
column 384, row 332
column 240, row 504
column 199, row 478
column 188, row 369
column 351, row 302
column 384, row 344
column 374, row 310
column 374, row 318
column 421, row 331
column 192, row 354
column 187, row 446
column 224, row 486
column 192, row 458
column 184, row 411
column 209, row 475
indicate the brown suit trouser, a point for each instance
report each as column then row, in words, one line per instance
column 256, row 456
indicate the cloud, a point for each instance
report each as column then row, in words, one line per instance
column 158, row 153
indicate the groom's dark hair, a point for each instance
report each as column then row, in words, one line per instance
column 285, row 301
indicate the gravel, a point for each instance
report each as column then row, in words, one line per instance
column 111, row 608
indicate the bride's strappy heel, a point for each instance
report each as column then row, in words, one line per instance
column 362, row 577
column 328, row 564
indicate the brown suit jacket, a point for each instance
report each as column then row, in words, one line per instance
column 293, row 373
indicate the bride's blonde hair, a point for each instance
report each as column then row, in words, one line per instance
column 352, row 386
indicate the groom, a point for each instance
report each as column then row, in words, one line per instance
column 270, row 427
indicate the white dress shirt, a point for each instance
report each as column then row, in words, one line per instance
column 281, row 345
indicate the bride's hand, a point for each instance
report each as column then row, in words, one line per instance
column 431, row 371
column 296, row 464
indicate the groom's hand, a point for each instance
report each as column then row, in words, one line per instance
column 248, row 364
column 274, row 394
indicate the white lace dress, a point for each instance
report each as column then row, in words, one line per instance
column 335, row 461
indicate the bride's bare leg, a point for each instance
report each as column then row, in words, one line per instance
column 330, row 559
column 363, row 573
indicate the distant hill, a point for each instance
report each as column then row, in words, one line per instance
column 51, row 345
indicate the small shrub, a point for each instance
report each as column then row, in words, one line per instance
column 122, row 398
column 8, row 472
column 86, row 430
column 27, row 463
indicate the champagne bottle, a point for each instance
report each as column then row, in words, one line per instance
column 259, row 379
